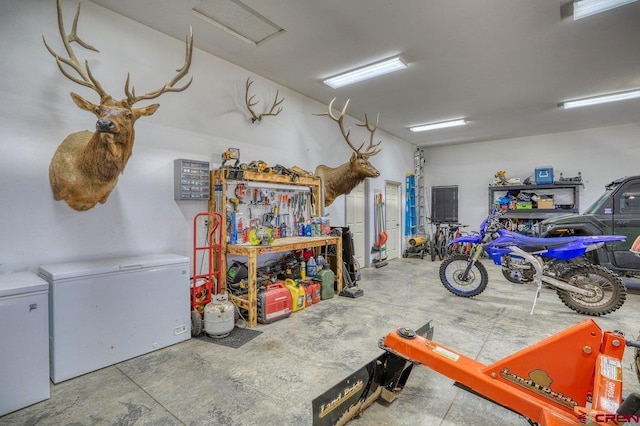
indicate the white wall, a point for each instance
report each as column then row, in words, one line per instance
column 601, row 155
column 141, row 216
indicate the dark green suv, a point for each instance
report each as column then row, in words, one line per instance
column 617, row 211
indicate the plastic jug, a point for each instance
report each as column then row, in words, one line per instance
column 298, row 295
column 326, row 278
column 321, row 262
column 312, row 267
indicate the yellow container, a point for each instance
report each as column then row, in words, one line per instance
column 417, row 241
column 297, row 294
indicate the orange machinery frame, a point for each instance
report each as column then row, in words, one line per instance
column 573, row 377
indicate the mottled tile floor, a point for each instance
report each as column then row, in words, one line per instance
column 272, row 379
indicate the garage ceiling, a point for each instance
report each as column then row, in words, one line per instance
column 503, row 64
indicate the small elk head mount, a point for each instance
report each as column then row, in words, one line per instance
column 85, row 167
column 342, row 179
column 248, row 100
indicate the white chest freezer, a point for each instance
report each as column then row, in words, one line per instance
column 106, row 311
column 24, row 341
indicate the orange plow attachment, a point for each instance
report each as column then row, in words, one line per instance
column 550, row 383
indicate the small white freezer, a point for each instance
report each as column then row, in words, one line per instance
column 107, row 311
column 24, row 337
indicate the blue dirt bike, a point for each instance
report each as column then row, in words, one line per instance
column 558, row 263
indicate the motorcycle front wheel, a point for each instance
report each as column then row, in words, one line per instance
column 608, row 291
column 452, row 271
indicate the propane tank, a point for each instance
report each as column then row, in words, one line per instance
column 219, row 316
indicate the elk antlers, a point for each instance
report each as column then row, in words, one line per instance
column 86, row 78
column 372, row 149
column 250, row 104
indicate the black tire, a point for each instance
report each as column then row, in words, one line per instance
column 508, row 274
column 637, row 361
column 441, row 248
column 453, row 267
column 610, row 292
column 196, row 323
column 432, row 250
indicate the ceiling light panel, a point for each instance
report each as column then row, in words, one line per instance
column 364, row 73
column 237, row 19
column 438, row 125
column 613, row 97
column 584, row 8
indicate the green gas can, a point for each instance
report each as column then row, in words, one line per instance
column 326, row 278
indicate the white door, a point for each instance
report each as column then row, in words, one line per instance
column 392, row 218
column 355, row 220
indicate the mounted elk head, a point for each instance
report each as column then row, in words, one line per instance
column 85, row 167
column 342, row 179
column 250, row 104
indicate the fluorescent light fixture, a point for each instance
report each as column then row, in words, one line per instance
column 366, row 72
column 584, row 8
column 613, row 97
column 439, row 125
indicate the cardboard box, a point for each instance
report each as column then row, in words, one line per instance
column 544, row 175
column 545, row 203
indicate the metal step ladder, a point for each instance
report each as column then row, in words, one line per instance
column 421, row 194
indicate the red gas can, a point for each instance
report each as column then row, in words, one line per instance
column 316, row 290
column 308, row 293
column 274, row 303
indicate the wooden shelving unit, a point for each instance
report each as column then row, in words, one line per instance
column 220, row 179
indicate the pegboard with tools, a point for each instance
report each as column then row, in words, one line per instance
column 265, row 206
column 279, row 211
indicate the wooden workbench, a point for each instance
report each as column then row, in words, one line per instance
column 249, row 301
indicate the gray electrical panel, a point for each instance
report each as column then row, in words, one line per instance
column 191, row 180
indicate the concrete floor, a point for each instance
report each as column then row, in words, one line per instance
column 272, row 379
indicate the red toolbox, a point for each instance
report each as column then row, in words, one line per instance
column 274, row 303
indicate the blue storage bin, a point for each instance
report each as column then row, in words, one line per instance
column 544, row 175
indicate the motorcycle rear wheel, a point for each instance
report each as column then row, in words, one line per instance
column 451, row 271
column 637, row 361
column 508, row 274
column 609, row 292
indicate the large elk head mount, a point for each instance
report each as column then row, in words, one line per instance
column 85, row 167
column 342, row 179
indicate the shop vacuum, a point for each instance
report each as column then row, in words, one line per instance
column 349, row 271
column 351, row 289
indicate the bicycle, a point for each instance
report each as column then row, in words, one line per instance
column 455, row 231
column 440, row 240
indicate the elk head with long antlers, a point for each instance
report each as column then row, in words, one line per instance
column 85, row 167
column 342, row 179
